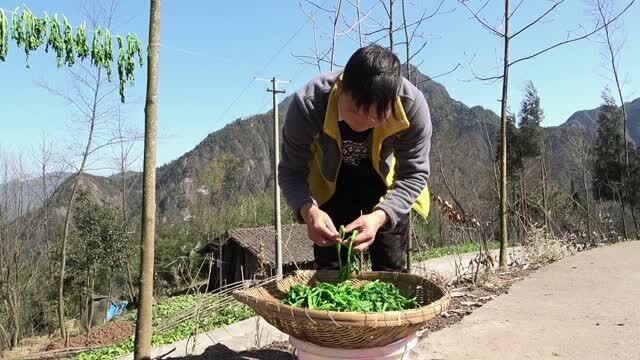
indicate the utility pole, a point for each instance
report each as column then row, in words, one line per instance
column 276, row 160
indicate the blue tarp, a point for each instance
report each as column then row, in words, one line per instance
column 116, row 309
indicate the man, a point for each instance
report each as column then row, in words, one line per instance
column 355, row 152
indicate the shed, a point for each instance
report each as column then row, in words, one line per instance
column 247, row 253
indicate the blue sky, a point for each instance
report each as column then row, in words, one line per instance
column 211, row 51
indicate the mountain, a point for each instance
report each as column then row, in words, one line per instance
column 462, row 157
column 104, row 188
column 23, row 195
column 589, row 119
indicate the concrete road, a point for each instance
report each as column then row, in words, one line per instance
column 583, row 307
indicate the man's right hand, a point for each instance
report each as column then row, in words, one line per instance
column 320, row 228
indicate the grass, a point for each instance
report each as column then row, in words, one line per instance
column 166, row 310
column 451, row 250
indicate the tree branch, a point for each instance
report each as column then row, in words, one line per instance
column 386, row 9
column 515, row 9
column 538, row 19
column 598, row 28
column 356, row 23
column 476, row 76
column 437, row 76
column 481, row 21
column 319, row 7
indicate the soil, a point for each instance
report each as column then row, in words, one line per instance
column 106, row 334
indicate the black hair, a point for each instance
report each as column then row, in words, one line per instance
column 373, row 75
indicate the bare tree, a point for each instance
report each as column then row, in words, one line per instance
column 341, row 25
column 92, row 98
column 503, row 32
column 124, row 157
column 51, row 177
column 580, row 142
column 605, row 11
column 142, row 350
column 18, row 256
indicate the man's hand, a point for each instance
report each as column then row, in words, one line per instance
column 368, row 226
column 320, row 228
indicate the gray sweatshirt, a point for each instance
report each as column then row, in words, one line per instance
column 311, row 149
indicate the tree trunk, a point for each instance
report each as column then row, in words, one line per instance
column 142, row 350
column 635, row 222
column 359, row 24
column 440, row 229
column 63, row 260
column 513, row 218
column 110, row 282
column 523, row 205
column 612, row 59
column 125, row 225
column 391, row 25
column 406, row 37
column 85, row 308
column 45, row 221
column 90, row 305
column 333, row 40
column 130, row 282
column 15, row 313
column 221, row 268
column 586, row 192
column 503, row 130
column 545, row 208
column 624, row 220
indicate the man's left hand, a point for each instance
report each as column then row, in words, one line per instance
column 367, row 226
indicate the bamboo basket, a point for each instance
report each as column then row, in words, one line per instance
column 347, row 330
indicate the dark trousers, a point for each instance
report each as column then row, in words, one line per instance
column 387, row 252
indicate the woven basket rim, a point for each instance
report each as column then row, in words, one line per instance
column 350, row 318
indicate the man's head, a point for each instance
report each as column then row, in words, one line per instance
column 370, row 84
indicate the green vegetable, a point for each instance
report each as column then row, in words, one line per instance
column 16, row 28
column 376, row 296
column 31, row 32
column 81, row 42
column 69, row 43
column 345, row 270
column 163, row 311
column 107, row 58
column 55, row 40
column 126, row 61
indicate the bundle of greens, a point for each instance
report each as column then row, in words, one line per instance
column 376, row 296
column 345, row 270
